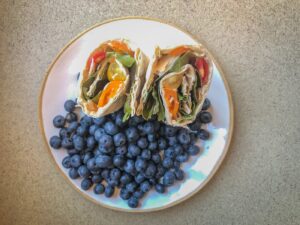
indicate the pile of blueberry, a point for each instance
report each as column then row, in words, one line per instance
column 134, row 156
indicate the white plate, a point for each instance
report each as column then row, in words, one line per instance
column 60, row 83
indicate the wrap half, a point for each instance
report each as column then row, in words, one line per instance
column 177, row 85
column 110, row 78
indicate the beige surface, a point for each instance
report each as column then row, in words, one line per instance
column 258, row 46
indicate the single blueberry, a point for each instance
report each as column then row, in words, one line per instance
column 156, row 158
column 151, row 137
column 115, row 174
column 132, row 134
column 69, row 105
column 125, row 194
column 138, row 194
column 125, row 178
column 109, row 191
column 182, row 157
column 205, row 117
column 93, row 128
column 119, row 120
column 169, row 178
column 142, row 143
column 79, row 143
column 176, row 164
column 150, row 170
column 72, row 127
column 99, row 121
column 118, row 160
column 170, row 153
column 66, row 162
column 83, row 171
column 193, row 150
column 87, row 156
column 152, row 146
column 106, row 141
column 75, row 161
column 86, row 183
column 131, row 186
column 134, row 150
column 59, row 121
column 172, row 141
column 178, row 149
column 86, row 121
column 170, row 131
column 91, row 164
column 98, row 133
column 103, row 161
column 119, row 139
column 70, row 117
column 160, row 171
column 203, row 134
column 140, row 127
column 179, row 174
column 97, row 178
column 206, row 104
column 184, row 137
column 160, row 188
column 145, row 186
column 99, row 189
column 139, row 178
column 82, row 131
column 140, row 164
column 148, row 127
column 112, row 182
column 129, row 166
column 55, row 142
column 167, row 163
column 133, row 202
column 146, row 154
column 105, row 174
column 105, row 150
column 63, row 132
column 90, row 142
column 162, row 143
column 195, row 126
column 73, row 174
column 111, row 128
column 121, row 150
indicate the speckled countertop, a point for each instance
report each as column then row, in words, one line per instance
column 257, row 44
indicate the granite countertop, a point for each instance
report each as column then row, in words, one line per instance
column 256, row 43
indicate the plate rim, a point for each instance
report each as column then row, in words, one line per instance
column 229, row 96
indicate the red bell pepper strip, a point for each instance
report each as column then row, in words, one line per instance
column 203, row 69
column 96, row 56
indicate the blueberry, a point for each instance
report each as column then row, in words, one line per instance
column 184, row 137
column 86, row 183
column 130, row 156
column 148, row 128
column 99, row 121
column 134, row 150
column 63, row 132
column 55, row 142
column 105, row 174
column 151, row 137
column 59, row 121
column 203, row 134
column 193, row 150
column 138, row 194
column 140, row 127
column 75, row 161
column 103, row 161
column 111, row 128
column 193, row 137
column 178, row 149
column 152, row 146
column 91, row 164
column 125, row 194
column 73, row 174
column 119, row 120
column 195, row 126
column 129, row 166
column 82, row 131
column 131, row 186
column 92, row 129
column 98, row 133
column 119, row 139
column 132, row 134
column 105, row 150
column 70, row 117
column 72, row 127
column 160, row 171
column 205, row 117
column 140, row 164
column 167, row 163
column 99, row 189
column 169, row 178
column 97, row 178
column 79, row 143
column 67, row 143
column 156, row 158
column 142, row 143
column 139, row 178
column 87, row 156
column 170, row 131
column 145, row 186
column 112, row 182
column 133, row 202
column 183, row 157
column 106, row 141
column 69, row 105
column 162, row 143
column 135, row 120
column 90, row 142
column 160, row 188
column 115, row 174
column 83, row 171
column 125, row 178
column 179, row 174
column 170, row 153
column 172, row 141
column 146, row 154
column 206, row 104
column 118, row 160
column 156, row 126
column 121, row 150
column 86, row 121
column 150, row 170
column 66, row 162
column 109, row 191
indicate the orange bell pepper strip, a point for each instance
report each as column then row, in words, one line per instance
column 109, row 91
column 121, row 47
column 203, row 69
column 172, row 101
column 179, row 50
